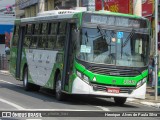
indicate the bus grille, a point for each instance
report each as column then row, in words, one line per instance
column 98, row 87
column 114, row 71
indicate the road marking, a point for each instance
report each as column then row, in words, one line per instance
column 103, row 108
column 20, row 108
column 12, row 104
column 10, row 83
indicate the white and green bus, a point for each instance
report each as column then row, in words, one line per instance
column 97, row 53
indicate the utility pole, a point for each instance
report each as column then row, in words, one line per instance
column 78, row 3
column 156, row 47
column 102, row 4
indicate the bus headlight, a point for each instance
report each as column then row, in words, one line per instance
column 83, row 77
column 79, row 74
column 144, row 80
column 141, row 82
column 86, row 79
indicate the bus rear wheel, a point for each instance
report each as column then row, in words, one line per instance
column 26, row 84
column 29, row 86
column 59, row 93
column 120, row 100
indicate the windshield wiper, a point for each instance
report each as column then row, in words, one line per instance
column 101, row 31
column 128, row 38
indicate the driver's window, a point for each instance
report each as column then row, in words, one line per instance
column 138, row 46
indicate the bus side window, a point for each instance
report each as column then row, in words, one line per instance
column 15, row 35
column 36, row 29
column 27, row 41
column 53, row 28
column 62, row 28
column 52, row 36
column 51, row 43
column 29, row 29
column 34, row 42
column 41, row 42
column 61, row 35
column 44, row 28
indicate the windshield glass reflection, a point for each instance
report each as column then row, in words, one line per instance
column 112, row 47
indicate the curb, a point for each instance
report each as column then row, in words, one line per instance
column 157, row 105
column 152, row 104
column 3, row 72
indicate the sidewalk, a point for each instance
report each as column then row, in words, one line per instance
column 149, row 100
column 4, row 72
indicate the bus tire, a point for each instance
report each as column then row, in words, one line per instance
column 26, row 84
column 58, row 90
column 120, row 100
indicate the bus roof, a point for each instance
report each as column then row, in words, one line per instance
column 66, row 14
column 53, row 14
column 118, row 14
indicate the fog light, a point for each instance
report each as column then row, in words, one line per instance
column 95, row 88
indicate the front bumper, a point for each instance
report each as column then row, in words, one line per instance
column 81, row 87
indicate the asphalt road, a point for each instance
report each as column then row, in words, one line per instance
column 14, row 98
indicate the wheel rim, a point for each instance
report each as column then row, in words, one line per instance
column 25, row 79
column 58, row 87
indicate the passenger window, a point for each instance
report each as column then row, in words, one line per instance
column 34, row 42
column 27, row 41
column 36, row 29
column 62, row 28
column 29, row 29
column 51, row 43
column 41, row 42
column 44, row 28
column 53, row 28
column 60, row 41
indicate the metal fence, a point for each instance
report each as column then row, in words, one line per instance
column 4, row 62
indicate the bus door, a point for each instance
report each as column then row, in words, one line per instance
column 19, row 51
column 68, row 55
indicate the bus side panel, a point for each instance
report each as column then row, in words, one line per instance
column 13, row 50
column 40, row 68
column 58, row 66
column 12, row 64
column 23, row 63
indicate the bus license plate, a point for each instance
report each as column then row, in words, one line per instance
column 113, row 90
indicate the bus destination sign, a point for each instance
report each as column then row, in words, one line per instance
column 114, row 21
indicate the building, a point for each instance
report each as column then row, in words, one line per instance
column 19, row 13
column 7, row 17
column 32, row 7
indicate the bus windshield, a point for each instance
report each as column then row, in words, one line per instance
column 103, row 46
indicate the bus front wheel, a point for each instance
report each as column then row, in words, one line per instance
column 59, row 93
column 120, row 100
